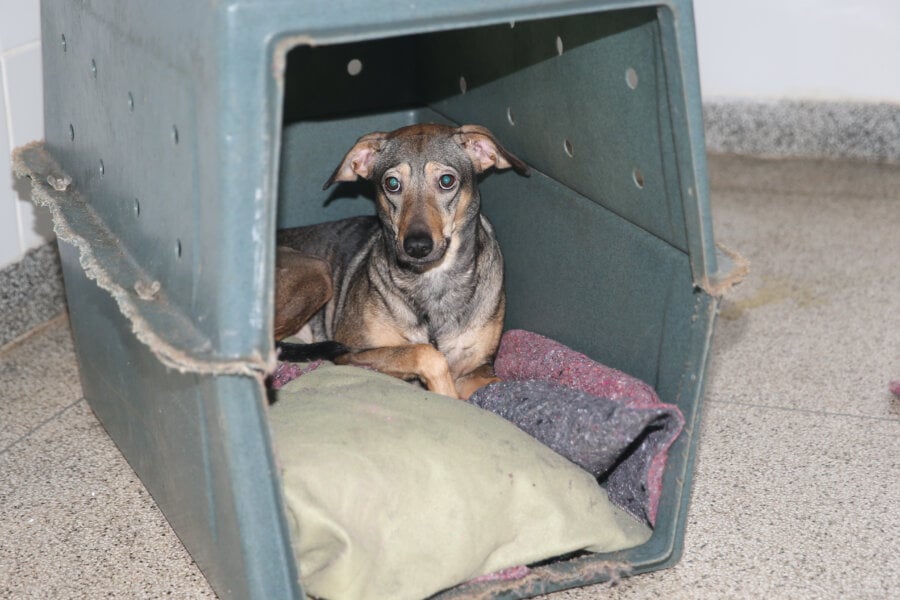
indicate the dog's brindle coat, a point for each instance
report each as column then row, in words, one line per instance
column 416, row 291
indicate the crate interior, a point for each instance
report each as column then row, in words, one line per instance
column 594, row 241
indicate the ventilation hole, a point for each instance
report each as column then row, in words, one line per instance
column 174, row 134
column 130, row 101
column 94, row 68
column 71, row 132
column 463, row 86
column 137, row 207
column 631, row 78
column 567, row 146
column 177, row 248
column 638, row 178
column 102, row 169
column 354, row 67
column 509, row 116
column 559, row 46
column 64, row 46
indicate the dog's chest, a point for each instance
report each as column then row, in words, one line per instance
column 443, row 309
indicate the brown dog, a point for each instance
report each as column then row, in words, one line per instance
column 417, row 290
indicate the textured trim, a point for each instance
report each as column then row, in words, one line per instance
column 31, row 292
column 804, row 129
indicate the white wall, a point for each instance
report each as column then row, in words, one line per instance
column 799, row 49
column 21, row 121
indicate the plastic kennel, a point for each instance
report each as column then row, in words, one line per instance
column 179, row 135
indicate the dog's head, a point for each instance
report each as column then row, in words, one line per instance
column 425, row 183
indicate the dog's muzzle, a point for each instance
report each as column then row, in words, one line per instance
column 418, row 246
column 420, row 252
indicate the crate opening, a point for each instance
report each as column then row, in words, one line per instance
column 593, row 242
column 582, row 100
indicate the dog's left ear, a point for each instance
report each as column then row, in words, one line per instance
column 485, row 151
column 359, row 160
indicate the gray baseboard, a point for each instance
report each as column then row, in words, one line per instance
column 31, row 292
column 804, row 129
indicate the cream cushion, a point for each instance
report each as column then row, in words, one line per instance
column 393, row 492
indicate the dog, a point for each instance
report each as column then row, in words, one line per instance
column 415, row 291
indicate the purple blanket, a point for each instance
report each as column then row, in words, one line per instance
column 606, row 421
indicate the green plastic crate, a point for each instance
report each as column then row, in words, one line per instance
column 179, row 135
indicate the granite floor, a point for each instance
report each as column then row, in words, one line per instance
column 797, row 487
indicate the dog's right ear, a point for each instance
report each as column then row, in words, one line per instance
column 360, row 160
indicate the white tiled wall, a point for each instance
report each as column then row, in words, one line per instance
column 799, row 49
column 21, row 121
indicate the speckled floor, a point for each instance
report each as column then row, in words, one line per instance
column 797, row 487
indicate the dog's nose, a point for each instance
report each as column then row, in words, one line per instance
column 418, row 245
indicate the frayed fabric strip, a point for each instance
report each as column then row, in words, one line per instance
column 75, row 224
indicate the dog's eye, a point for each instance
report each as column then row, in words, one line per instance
column 447, row 181
column 392, row 184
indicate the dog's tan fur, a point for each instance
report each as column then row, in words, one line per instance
column 416, row 292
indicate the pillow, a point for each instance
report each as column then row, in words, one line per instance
column 395, row 492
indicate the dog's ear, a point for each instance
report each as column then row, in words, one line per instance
column 485, row 151
column 360, row 160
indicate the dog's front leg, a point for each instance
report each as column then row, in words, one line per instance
column 415, row 361
column 469, row 382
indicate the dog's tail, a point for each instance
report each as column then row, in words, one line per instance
column 290, row 352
